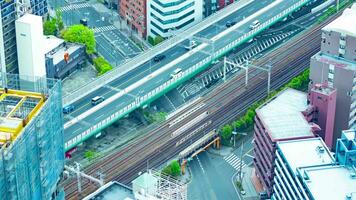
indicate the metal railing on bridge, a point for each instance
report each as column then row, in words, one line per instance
column 157, row 92
column 147, row 55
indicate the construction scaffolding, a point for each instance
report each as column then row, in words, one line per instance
column 31, row 138
column 158, row 186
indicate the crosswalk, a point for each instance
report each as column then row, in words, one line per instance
column 104, row 28
column 234, row 161
column 74, row 7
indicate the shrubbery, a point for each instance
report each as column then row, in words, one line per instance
column 101, row 65
column 172, row 169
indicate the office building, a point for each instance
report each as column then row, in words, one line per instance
column 345, row 152
column 335, row 65
column 286, row 184
column 321, row 111
column 31, row 139
column 224, row 3
column 279, row 119
column 11, row 10
column 134, row 13
column 166, row 18
column 209, row 7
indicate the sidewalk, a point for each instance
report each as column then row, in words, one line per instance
column 248, row 183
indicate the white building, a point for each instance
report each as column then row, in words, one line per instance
column 30, row 47
column 164, row 17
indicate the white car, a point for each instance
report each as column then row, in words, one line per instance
column 255, row 24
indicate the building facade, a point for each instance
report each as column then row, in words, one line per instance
column 286, row 183
column 335, row 65
column 279, row 119
column 9, row 12
column 134, row 13
column 322, row 101
column 165, row 18
column 31, row 139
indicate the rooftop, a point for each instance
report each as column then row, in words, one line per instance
column 17, row 108
column 330, row 182
column 30, row 18
column 349, row 134
column 323, row 89
column 314, row 152
column 51, row 42
column 112, row 191
column 345, row 23
column 282, row 116
column 334, row 60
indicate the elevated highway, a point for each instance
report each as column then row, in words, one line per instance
column 146, row 80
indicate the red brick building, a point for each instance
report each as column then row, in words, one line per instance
column 134, row 13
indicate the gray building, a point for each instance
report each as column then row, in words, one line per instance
column 31, row 139
column 336, row 65
column 55, row 51
column 10, row 10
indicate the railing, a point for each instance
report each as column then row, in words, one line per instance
column 147, row 55
column 150, row 96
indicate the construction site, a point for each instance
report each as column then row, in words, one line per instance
column 31, row 138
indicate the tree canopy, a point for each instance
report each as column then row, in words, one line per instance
column 80, row 34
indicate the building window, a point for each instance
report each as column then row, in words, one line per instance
column 342, row 46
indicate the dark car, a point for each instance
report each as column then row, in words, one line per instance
column 68, row 109
column 159, row 57
column 84, row 22
column 230, row 23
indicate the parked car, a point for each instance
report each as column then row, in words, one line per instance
column 68, row 109
column 159, row 57
column 230, row 23
column 96, row 100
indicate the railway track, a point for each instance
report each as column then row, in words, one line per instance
column 155, row 148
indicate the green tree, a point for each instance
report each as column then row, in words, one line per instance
column 81, row 34
column 226, row 132
column 158, row 39
column 151, row 40
column 101, row 65
column 49, row 27
column 173, row 169
column 90, row 155
column 59, row 20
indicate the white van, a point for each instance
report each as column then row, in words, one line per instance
column 255, row 24
column 176, row 72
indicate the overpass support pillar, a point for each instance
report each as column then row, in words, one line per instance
column 183, row 166
column 217, row 143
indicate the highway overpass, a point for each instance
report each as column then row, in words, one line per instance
column 145, row 81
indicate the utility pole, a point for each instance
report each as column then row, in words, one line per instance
column 240, row 171
column 225, row 71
